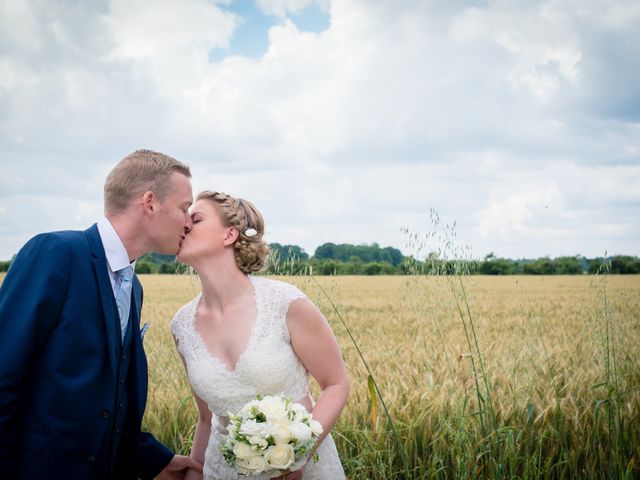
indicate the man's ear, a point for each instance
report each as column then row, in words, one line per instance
column 149, row 204
column 231, row 236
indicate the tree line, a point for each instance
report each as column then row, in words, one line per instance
column 347, row 259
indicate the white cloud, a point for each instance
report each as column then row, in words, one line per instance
column 504, row 216
column 281, row 8
column 487, row 113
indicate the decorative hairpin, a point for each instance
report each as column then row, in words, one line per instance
column 250, row 232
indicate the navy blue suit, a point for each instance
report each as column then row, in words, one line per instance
column 72, row 396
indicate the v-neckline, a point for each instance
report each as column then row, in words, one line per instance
column 250, row 340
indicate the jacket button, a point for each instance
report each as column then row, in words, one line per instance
column 90, row 457
column 105, row 414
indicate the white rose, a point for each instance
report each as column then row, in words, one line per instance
column 279, row 456
column 316, row 427
column 299, row 412
column 273, row 408
column 246, row 410
column 281, row 433
column 256, row 463
column 301, row 432
column 251, row 428
column 243, row 450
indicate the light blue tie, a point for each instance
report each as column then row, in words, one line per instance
column 123, row 299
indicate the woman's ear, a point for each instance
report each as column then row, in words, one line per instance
column 149, row 203
column 231, row 236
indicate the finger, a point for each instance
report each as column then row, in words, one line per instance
column 182, row 462
column 191, row 463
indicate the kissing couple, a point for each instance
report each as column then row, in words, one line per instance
column 73, row 371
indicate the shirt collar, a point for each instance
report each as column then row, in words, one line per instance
column 114, row 250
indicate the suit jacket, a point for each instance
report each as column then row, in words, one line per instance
column 59, row 358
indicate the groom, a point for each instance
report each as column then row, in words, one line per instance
column 73, row 373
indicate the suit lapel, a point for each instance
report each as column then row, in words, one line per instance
column 136, row 303
column 106, row 295
column 138, row 365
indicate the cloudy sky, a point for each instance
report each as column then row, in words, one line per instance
column 343, row 121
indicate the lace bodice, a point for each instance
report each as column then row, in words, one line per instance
column 268, row 365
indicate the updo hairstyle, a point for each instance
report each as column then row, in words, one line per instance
column 250, row 251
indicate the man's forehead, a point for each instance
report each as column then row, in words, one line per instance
column 181, row 182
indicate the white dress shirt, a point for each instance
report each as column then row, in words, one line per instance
column 116, row 254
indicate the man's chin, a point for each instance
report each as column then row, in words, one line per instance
column 183, row 257
column 179, row 248
column 173, row 250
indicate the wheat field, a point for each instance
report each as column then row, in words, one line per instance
column 517, row 377
column 482, row 377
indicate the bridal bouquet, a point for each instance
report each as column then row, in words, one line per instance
column 270, row 434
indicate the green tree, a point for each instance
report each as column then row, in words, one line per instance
column 327, row 267
column 354, row 266
column 325, row 251
column 567, row 266
column 621, row 264
column 286, row 253
column 496, row 266
column 144, row 267
column 168, row 268
column 625, row 264
column 372, row 268
column 395, row 255
column 499, row 266
column 596, row 265
column 367, row 253
column 540, row 266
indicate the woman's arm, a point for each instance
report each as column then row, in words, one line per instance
column 315, row 345
column 201, row 436
column 203, row 429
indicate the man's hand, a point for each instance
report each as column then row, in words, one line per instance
column 177, row 468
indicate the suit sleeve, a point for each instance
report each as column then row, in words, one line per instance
column 154, row 456
column 31, row 298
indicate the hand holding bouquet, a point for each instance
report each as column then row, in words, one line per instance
column 270, row 434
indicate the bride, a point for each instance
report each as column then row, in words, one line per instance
column 246, row 335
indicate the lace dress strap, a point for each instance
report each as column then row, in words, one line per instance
column 291, row 294
column 276, row 297
column 181, row 328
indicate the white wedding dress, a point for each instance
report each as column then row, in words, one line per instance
column 268, row 366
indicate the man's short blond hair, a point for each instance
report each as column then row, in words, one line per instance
column 137, row 173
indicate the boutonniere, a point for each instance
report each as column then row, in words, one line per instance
column 143, row 330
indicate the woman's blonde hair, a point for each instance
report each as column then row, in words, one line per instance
column 250, row 250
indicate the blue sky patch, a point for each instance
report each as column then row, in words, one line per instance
column 251, row 37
